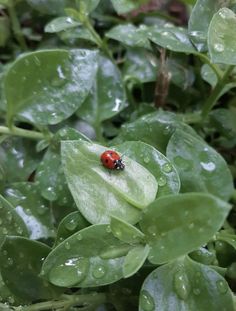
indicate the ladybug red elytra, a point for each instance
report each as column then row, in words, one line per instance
column 111, row 160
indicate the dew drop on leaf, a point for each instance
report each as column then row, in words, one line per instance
column 222, row 287
column 79, row 237
column 67, row 245
column 181, row 285
column 218, row 47
column 71, row 225
column 146, row 301
column 167, row 168
column 49, row 194
column 162, row 181
column 98, row 272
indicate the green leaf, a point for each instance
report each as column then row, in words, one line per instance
column 21, row 261
column 4, row 30
column 125, row 232
column 192, row 217
column 200, row 19
column 78, row 261
column 134, row 260
column 203, row 256
column 185, row 285
column 61, row 23
column 87, row 6
column 125, row 6
column 130, row 35
column 73, row 36
column 200, row 167
column 227, row 237
column 50, row 7
column 221, row 43
column 32, row 208
column 208, row 75
column 154, row 129
column 7, row 297
column 51, row 84
column 107, row 97
column 70, row 224
column 154, row 161
column 171, row 38
column 10, row 222
column 99, row 192
column 18, row 159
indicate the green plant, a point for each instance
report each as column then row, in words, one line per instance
column 159, row 235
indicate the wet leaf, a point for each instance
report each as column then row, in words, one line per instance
column 50, row 7
column 51, row 84
column 134, row 260
column 185, row 285
column 192, row 217
column 61, row 23
column 99, row 192
column 73, row 263
column 21, row 261
column 87, row 6
column 32, row 208
column 222, row 47
column 125, row 6
column 200, row 167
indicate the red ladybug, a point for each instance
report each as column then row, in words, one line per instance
column 111, row 160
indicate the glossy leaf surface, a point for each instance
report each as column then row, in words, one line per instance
column 200, row 167
column 135, row 259
column 125, row 6
column 192, row 217
column 51, row 84
column 61, row 23
column 185, row 285
column 99, row 192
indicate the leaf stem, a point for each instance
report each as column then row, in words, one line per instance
column 210, row 102
column 16, row 27
column 207, row 61
column 16, row 131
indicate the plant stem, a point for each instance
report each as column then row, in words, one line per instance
column 16, row 131
column 209, row 104
column 207, row 61
column 82, row 300
column 16, row 27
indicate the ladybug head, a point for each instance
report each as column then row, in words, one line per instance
column 119, row 164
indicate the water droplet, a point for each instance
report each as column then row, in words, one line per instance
column 71, row 225
column 162, row 181
column 191, row 226
column 146, row 160
column 9, row 261
column 4, row 230
column 67, row 245
column 167, row 168
column 98, row 272
column 222, row 287
column 42, row 209
column 49, row 194
column 196, row 291
column 146, row 301
column 218, row 47
column 108, row 229
column 181, row 285
column 79, row 237
column 210, row 166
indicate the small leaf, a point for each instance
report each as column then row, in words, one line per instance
column 125, row 232
column 192, row 217
column 185, row 285
column 73, row 263
column 10, row 222
column 200, row 167
column 130, row 35
column 221, row 46
column 154, row 161
column 87, row 6
column 61, row 23
column 21, row 261
column 134, row 260
column 100, row 193
column 51, row 85
column 125, row 6
column 107, row 97
column 32, row 208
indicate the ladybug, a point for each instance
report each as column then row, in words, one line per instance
column 111, row 160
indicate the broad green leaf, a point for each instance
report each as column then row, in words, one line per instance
column 51, row 84
column 49, row 174
column 171, row 38
column 125, row 6
column 185, row 285
column 154, row 129
column 18, row 159
column 87, row 6
column 203, row 255
column 154, row 161
column 134, row 260
column 70, row 224
column 107, row 97
column 4, row 30
column 192, row 217
column 50, row 7
column 61, row 23
column 32, row 208
column 75, row 36
column 130, row 35
column 21, row 261
column 140, row 65
column 79, row 262
column 200, row 19
column 99, row 192
column 221, row 37
column 200, row 167
column 125, row 232
column 10, row 222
